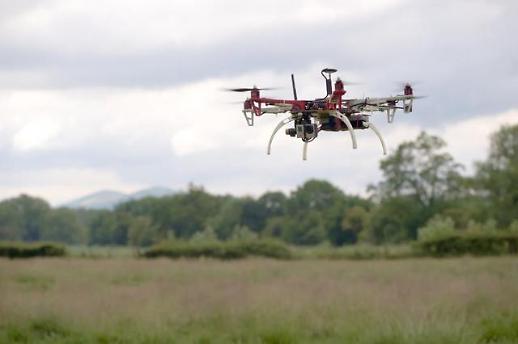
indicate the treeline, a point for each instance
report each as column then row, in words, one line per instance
column 422, row 194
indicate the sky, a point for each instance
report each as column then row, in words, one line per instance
column 126, row 94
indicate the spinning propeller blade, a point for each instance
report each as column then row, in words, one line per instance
column 248, row 89
column 353, row 83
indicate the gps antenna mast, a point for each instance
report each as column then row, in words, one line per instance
column 293, row 86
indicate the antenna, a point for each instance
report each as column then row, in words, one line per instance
column 293, row 86
column 329, row 71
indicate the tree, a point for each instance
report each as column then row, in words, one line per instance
column 314, row 195
column 436, row 227
column 274, row 203
column 305, row 230
column 102, row 228
column 23, row 218
column 355, row 221
column 141, row 232
column 63, row 225
column 422, row 170
column 496, row 179
column 10, row 222
column 227, row 219
column 317, row 199
column 395, row 220
column 181, row 214
column 420, row 176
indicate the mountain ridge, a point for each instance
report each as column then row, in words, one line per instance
column 109, row 199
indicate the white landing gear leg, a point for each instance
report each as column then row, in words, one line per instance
column 391, row 112
column 376, row 131
column 348, row 124
column 279, row 126
column 305, row 151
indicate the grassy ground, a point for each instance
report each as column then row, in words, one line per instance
column 73, row 300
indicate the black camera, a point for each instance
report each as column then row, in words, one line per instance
column 291, row 131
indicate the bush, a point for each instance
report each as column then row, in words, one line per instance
column 436, row 227
column 28, row 250
column 219, row 250
column 480, row 244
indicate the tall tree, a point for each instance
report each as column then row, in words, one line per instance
column 421, row 175
column 497, row 177
column 420, row 169
column 23, row 217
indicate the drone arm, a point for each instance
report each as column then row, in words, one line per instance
column 279, row 126
column 378, row 134
column 348, row 124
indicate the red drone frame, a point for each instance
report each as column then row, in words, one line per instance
column 330, row 113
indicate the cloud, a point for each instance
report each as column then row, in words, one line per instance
column 132, row 89
column 35, row 135
column 61, row 185
column 468, row 140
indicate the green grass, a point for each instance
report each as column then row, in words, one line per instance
column 128, row 300
column 357, row 252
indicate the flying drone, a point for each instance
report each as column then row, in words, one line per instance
column 330, row 113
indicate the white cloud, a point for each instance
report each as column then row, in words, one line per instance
column 35, row 135
column 132, row 25
column 61, row 185
column 191, row 133
column 468, row 140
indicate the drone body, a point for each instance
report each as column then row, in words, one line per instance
column 331, row 113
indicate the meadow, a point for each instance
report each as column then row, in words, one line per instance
column 131, row 300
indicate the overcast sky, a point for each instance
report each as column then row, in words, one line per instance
column 125, row 94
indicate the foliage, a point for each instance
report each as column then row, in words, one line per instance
column 437, row 227
column 29, row 250
column 513, row 227
column 354, row 222
column 141, row 231
column 219, row 249
column 479, row 244
column 23, row 218
column 63, row 225
column 497, row 177
column 395, row 220
column 420, row 168
column 421, row 177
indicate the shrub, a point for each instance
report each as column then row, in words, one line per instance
column 436, row 227
column 265, row 248
column 489, row 243
column 219, row 249
column 28, row 250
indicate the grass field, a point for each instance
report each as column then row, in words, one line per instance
column 73, row 300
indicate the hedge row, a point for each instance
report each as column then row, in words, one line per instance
column 219, row 250
column 480, row 244
column 28, row 250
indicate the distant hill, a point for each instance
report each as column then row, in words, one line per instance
column 155, row 191
column 109, row 199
